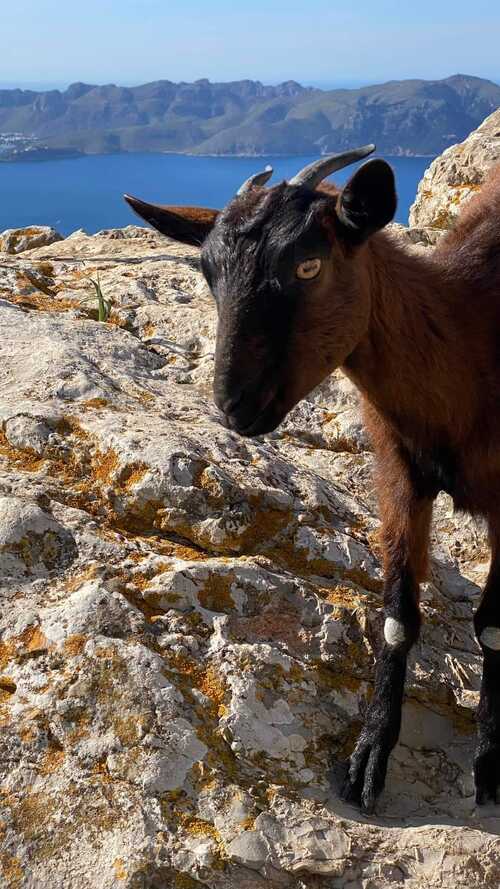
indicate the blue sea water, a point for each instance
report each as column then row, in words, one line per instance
column 87, row 192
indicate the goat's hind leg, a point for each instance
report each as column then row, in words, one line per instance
column 487, row 628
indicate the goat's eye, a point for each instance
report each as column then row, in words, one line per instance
column 308, row 269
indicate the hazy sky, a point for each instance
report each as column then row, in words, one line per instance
column 322, row 41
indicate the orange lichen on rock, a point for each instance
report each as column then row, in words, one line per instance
column 52, row 761
column 210, row 684
column 95, row 403
column 104, row 465
column 132, row 474
column 200, row 828
column 207, row 680
column 75, row 644
column 119, row 869
column 31, row 641
column 216, row 592
column 12, row 871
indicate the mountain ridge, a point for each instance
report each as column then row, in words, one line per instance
column 247, row 117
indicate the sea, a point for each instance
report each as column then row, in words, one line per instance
column 86, row 192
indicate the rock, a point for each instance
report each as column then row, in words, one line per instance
column 455, row 176
column 27, row 433
column 18, row 240
column 189, row 618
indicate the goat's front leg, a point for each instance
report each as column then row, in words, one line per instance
column 406, row 516
column 487, row 627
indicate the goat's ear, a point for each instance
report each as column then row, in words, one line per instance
column 367, row 202
column 189, row 225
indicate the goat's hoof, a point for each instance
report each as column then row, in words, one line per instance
column 487, row 775
column 355, row 795
column 366, row 775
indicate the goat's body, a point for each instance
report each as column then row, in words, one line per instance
column 429, row 370
column 430, row 362
column 420, row 337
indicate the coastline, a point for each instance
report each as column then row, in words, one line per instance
column 40, row 156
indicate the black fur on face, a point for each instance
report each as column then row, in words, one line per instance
column 249, row 261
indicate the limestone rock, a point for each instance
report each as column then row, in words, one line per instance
column 455, row 176
column 189, row 619
column 18, row 240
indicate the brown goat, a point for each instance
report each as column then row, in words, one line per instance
column 305, row 281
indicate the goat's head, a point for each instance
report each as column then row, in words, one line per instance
column 285, row 266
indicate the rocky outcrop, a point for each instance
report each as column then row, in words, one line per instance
column 17, row 240
column 455, row 176
column 189, row 619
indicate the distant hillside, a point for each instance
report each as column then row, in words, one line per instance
column 246, row 117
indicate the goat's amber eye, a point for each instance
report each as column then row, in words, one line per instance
column 308, row 269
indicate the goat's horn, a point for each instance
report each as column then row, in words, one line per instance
column 314, row 173
column 256, row 179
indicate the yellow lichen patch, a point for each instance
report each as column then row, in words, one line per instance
column 95, row 403
column 266, row 525
column 7, row 687
column 31, row 814
column 34, row 640
column 132, row 474
column 75, row 644
column 52, row 761
column 200, row 828
column 116, row 320
column 140, row 517
column 77, row 809
column 145, row 397
column 80, row 730
column 101, row 769
column 75, row 582
column 203, row 777
column 216, row 592
column 219, row 756
column 208, row 680
column 443, row 220
column 296, row 559
column 248, row 823
column 349, row 597
column 11, row 870
column 119, row 869
column 31, row 640
column 44, row 302
column 104, row 465
column 128, row 729
column 210, row 684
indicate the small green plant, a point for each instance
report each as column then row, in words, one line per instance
column 103, row 305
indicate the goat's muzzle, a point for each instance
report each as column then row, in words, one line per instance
column 250, row 413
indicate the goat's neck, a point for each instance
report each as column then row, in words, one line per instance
column 406, row 364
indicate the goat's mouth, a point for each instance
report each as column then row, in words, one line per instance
column 268, row 418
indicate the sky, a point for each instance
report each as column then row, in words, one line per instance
column 321, row 42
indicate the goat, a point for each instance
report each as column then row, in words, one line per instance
column 305, row 281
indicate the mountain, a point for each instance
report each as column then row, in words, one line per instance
column 246, row 117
